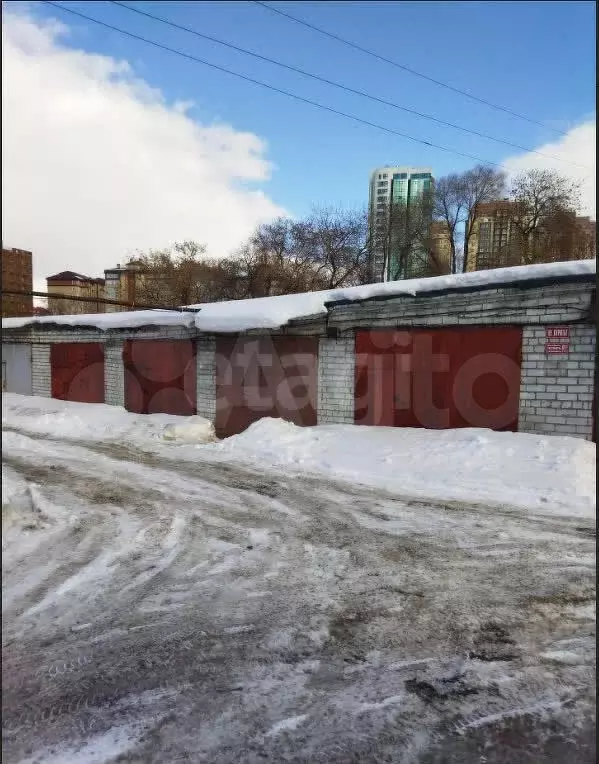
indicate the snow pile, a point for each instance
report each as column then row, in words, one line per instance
column 274, row 312
column 98, row 421
column 547, row 473
column 193, row 429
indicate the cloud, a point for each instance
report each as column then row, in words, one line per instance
column 579, row 146
column 96, row 164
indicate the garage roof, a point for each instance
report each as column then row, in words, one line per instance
column 275, row 312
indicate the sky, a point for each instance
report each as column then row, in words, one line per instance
column 111, row 146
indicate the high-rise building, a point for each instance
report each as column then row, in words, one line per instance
column 17, row 276
column 394, row 188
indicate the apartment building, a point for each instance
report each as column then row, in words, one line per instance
column 17, row 276
column 496, row 240
column 121, row 284
column 88, row 291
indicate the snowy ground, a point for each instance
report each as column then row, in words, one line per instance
column 247, row 601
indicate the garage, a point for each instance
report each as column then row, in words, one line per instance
column 77, row 370
column 16, row 368
column 265, row 376
column 160, row 376
column 439, row 378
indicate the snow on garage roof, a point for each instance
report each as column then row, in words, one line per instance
column 125, row 320
column 275, row 312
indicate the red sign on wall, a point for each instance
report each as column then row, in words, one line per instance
column 557, row 333
column 557, row 348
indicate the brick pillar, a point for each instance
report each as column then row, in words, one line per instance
column 41, row 372
column 336, row 373
column 114, row 373
column 556, row 391
column 206, row 377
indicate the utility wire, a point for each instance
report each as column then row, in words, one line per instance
column 97, row 300
column 404, row 67
column 197, row 60
column 340, row 85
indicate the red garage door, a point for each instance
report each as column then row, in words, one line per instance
column 439, row 378
column 78, row 371
column 160, row 376
column 265, row 377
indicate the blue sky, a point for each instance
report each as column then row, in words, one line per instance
column 535, row 58
column 101, row 162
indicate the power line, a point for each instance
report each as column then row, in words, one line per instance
column 91, row 299
column 296, row 97
column 339, row 85
column 405, row 68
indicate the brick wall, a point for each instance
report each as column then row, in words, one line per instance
column 114, row 373
column 41, row 372
column 336, row 373
column 206, row 377
column 509, row 305
column 53, row 334
column 556, row 391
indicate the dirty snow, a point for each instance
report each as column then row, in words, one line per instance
column 169, row 602
column 548, row 474
column 553, row 474
column 274, row 312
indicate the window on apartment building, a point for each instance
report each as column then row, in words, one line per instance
column 484, row 237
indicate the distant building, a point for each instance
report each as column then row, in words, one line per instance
column 17, row 276
column 71, row 284
column 38, row 310
column 441, row 249
column 496, row 240
column 390, row 186
column 121, row 284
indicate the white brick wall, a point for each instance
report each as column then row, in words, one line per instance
column 206, row 377
column 556, row 391
column 114, row 374
column 41, row 372
column 336, row 374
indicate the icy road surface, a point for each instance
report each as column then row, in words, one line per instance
column 159, row 609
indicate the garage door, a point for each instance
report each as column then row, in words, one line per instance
column 160, row 376
column 265, row 377
column 16, row 368
column 439, row 378
column 78, row 371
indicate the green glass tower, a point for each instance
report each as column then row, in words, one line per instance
column 390, row 188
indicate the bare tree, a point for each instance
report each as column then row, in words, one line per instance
column 410, row 234
column 457, row 199
column 480, row 185
column 172, row 278
column 334, row 242
column 450, row 208
column 407, row 243
column 545, row 205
